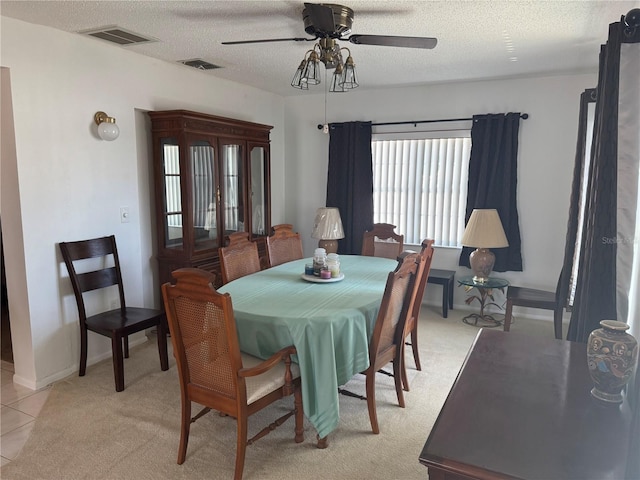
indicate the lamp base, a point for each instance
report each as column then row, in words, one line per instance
column 331, row 246
column 481, row 261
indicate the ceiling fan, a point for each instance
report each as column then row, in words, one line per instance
column 328, row 23
column 332, row 21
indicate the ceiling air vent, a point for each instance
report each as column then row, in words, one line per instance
column 118, row 35
column 199, row 64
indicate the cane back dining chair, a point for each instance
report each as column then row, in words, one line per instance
column 283, row 245
column 534, row 298
column 239, row 258
column 382, row 241
column 388, row 333
column 118, row 323
column 419, row 286
column 212, row 370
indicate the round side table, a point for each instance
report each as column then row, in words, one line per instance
column 485, row 291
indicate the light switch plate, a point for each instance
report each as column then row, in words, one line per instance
column 124, row 214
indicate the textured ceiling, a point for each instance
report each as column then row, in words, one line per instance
column 483, row 39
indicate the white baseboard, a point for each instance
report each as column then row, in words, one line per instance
column 73, row 369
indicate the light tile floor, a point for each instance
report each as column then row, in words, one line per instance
column 20, row 407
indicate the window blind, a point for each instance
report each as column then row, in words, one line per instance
column 420, row 186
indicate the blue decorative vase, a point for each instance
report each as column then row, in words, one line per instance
column 612, row 355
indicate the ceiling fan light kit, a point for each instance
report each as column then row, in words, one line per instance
column 326, row 51
column 328, row 23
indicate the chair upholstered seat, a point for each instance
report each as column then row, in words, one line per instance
column 273, row 379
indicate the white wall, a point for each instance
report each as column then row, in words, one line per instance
column 547, row 145
column 68, row 184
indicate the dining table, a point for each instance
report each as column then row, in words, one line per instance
column 330, row 323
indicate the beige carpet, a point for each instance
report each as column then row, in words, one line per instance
column 88, row 431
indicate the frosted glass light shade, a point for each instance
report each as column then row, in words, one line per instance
column 108, row 131
column 107, row 128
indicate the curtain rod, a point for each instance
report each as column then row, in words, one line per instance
column 524, row 116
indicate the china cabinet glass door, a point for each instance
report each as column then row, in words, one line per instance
column 172, row 208
column 204, row 192
column 258, row 193
column 231, row 162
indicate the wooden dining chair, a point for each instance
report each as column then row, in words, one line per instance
column 117, row 323
column 388, row 333
column 534, row 298
column 413, row 313
column 382, row 241
column 239, row 258
column 212, row 370
column 283, row 245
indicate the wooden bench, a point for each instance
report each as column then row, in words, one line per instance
column 446, row 279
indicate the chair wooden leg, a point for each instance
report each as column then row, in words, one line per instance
column 414, row 345
column 371, row 399
column 185, row 425
column 118, row 362
column 83, row 351
column 557, row 323
column 241, row 447
column 507, row 315
column 403, row 369
column 398, row 381
column 299, row 416
column 125, row 341
column 162, row 345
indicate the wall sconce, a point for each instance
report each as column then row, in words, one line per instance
column 107, row 128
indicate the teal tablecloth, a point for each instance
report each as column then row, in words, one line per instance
column 330, row 324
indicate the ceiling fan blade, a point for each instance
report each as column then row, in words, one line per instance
column 240, row 42
column 394, row 41
column 321, row 17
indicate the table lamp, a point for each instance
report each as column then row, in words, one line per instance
column 327, row 227
column 483, row 231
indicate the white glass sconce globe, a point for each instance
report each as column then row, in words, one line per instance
column 107, row 128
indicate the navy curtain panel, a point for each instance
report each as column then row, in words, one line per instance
column 596, row 295
column 350, row 181
column 492, row 182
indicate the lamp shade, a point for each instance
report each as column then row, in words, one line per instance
column 327, row 225
column 484, row 230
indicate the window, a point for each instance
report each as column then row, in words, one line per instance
column 420, row 185
column 588, row 102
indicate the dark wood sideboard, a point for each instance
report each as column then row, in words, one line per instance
column 521, row 409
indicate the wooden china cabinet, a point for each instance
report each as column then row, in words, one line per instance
column 212, row 178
